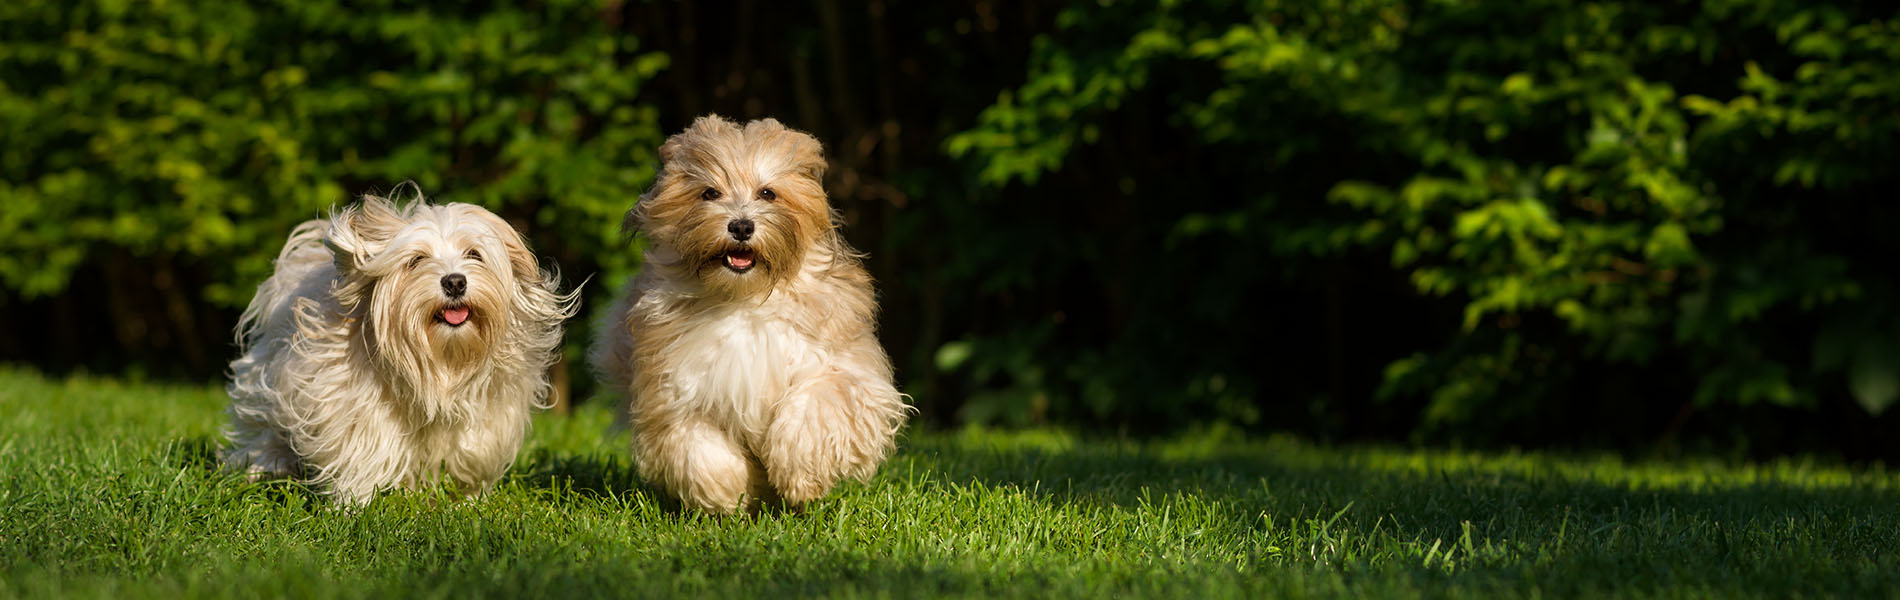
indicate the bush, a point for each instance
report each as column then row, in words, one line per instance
column 1627, row 202
column 175, row 144
column 1542, row 222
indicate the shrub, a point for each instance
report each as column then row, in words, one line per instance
column 1627, row 202
column 173, row 144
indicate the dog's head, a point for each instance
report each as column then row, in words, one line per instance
column 440, row 286
column 735, row 208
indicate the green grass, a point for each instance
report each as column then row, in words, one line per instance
column 107, row 489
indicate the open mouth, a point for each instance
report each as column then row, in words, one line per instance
column 453, row 316
column 740, row 261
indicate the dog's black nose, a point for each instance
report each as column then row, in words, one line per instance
column 454, row 284
column 741, row 229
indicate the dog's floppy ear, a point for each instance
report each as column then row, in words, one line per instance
column 521, row 260
column 670, row 151
column 537, row 291
column 804, row 153
column 810, row 154
column 700, row 139
column 357, row 233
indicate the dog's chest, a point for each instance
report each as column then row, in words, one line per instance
column 735, row 363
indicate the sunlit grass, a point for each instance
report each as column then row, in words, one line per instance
column 109, row 490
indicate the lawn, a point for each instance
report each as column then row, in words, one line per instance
column 108, row 489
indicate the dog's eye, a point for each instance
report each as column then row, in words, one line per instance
column 413, row 262
column 473, row 254
column 709, row 194
column 768, row 195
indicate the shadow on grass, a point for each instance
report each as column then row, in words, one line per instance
column 560, row 477
column 1570, row 530
column 1255, row 486
column 592, row 478
column 725, row 567
column 603, row 477
column 1524, row 505
column 1767, row 520
column 201, row 454
column 595, row 475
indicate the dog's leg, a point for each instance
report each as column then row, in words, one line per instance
column 830, row 427
column 260, row 452
column 486, row 449
column 700, row 464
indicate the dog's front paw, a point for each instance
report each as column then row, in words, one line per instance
column 255, row 473
column 821, row 434
column 700, row 465
column 800, row 488
column 263, row 466
column 271, row 469
column 801, row 472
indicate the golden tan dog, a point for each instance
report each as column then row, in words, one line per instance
column 748, row 347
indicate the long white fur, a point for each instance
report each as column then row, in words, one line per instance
column 346, row 378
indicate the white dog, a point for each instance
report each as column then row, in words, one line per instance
column 393, row 344
column 748, row 346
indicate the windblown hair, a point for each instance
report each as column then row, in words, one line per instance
column 348, row 373
column 747, row 349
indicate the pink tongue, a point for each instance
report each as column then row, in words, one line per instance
column 739, row 260
column 455, row 316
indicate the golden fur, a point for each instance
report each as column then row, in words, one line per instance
column 351, row 373
column 766, row 384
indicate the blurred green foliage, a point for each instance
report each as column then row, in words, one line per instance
column 1479, row 220
column 200, row 132
column 1610, row 191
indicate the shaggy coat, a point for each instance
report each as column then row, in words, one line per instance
column 747, row 348
column 394, row 344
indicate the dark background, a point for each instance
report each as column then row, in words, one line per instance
column 1637, row 226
